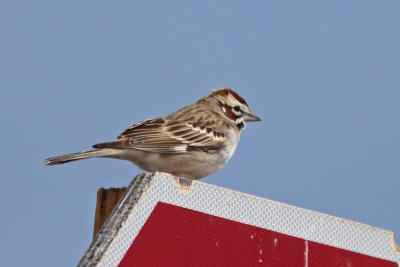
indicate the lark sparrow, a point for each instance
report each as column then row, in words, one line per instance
column 193, row 142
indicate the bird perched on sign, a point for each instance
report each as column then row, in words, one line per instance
column 192, row 142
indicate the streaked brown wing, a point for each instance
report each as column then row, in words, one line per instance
column 169, row 136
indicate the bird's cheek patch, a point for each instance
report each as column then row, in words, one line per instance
column 229, row 113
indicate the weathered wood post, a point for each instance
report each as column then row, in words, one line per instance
column 107, row 199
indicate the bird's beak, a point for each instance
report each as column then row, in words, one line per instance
column 251, row 116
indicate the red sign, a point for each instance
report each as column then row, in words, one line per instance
column 176, row 236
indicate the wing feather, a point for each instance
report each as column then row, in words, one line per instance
column 170, row 136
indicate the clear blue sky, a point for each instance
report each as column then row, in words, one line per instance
column 323, row 76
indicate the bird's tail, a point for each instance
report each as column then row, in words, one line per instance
column 77, row 156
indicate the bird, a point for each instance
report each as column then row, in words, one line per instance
column 191, row 143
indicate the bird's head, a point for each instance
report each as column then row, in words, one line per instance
column 234, row 107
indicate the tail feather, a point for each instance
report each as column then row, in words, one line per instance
column 76, row 156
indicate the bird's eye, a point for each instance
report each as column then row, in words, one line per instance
column 236, row 108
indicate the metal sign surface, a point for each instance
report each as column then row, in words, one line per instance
column 160, row 222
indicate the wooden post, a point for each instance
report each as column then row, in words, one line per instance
column 107, row 199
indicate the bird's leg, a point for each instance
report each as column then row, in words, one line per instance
column 158, row 173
